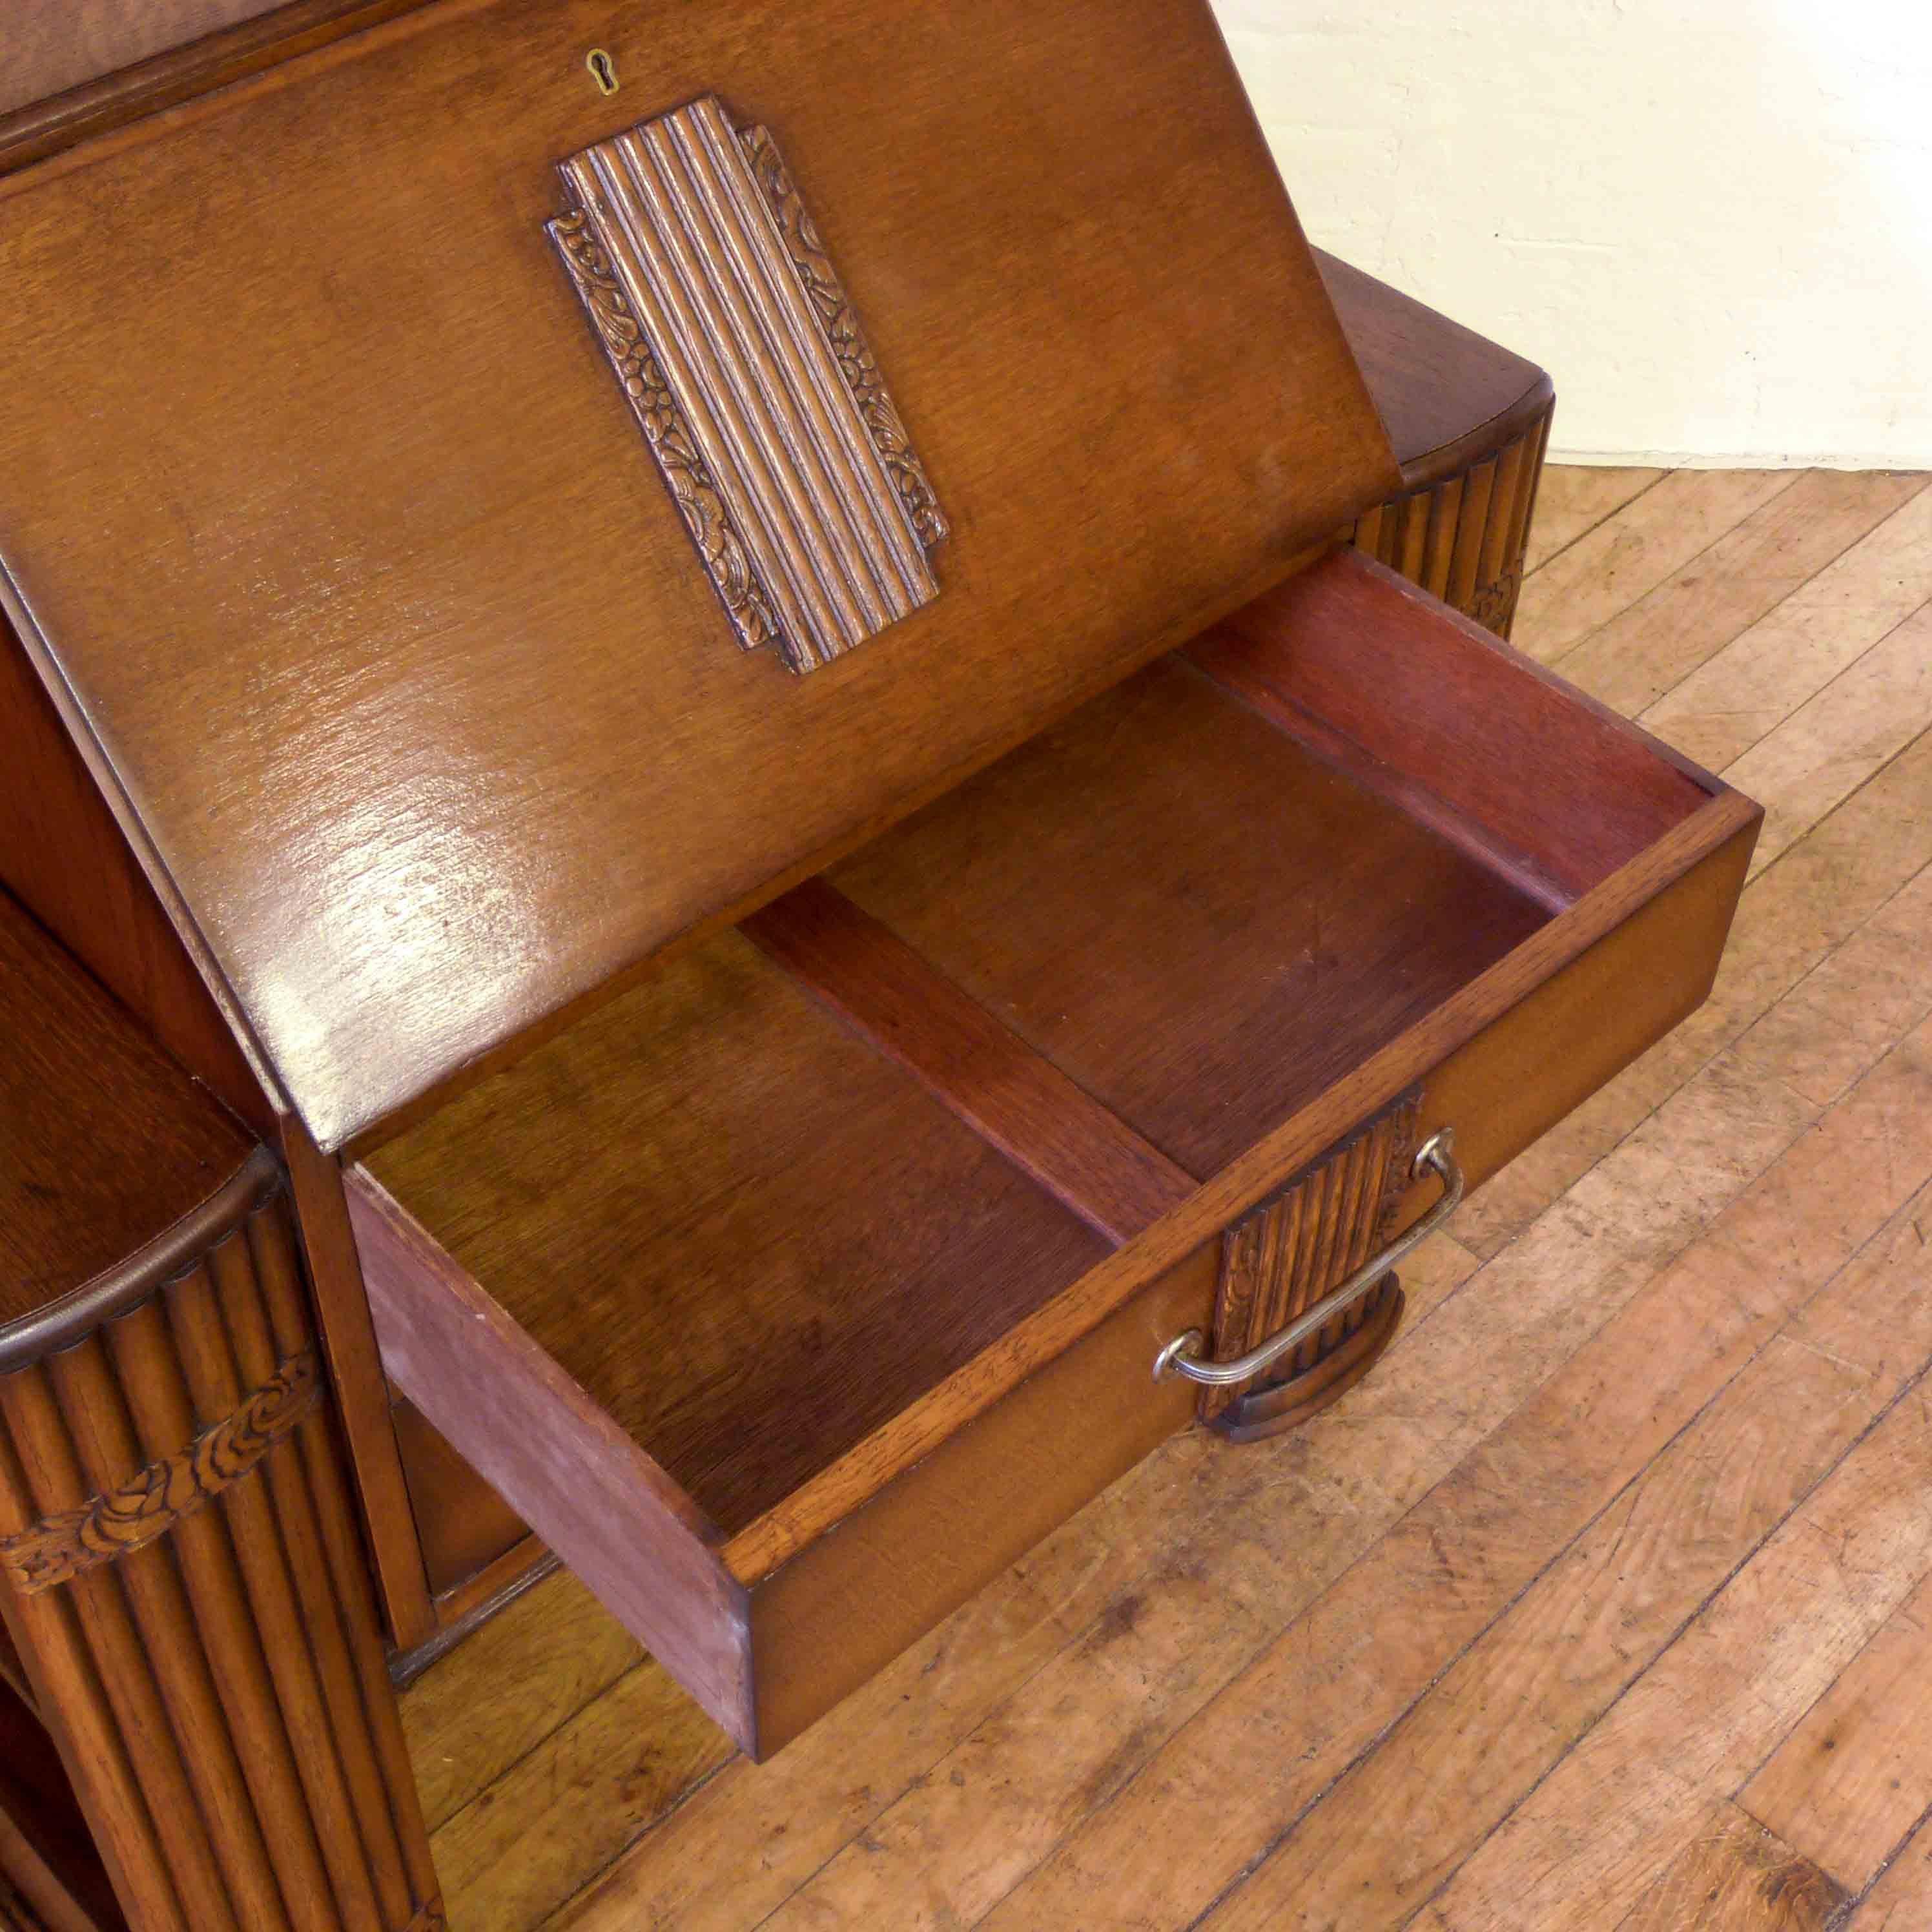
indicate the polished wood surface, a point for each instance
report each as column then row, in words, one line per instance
column 909, row 1010
column 467, row 666
column 362, row 1395
column 1469, row 422
column 104, row 1143
column 843, row 1607
column 1280, row 1259
column 739, row 353
column 183, row 1573
column 1444, row 393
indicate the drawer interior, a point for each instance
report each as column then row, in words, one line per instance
column 1195, row 917
column 823, row 1195
column 748, row 1236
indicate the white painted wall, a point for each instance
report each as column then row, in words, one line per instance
column 1710, row 219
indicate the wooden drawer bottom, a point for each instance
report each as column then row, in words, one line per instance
column 795, row 1293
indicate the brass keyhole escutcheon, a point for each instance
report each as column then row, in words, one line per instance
column 603, row 69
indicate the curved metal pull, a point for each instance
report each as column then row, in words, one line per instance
column 1181, row 1356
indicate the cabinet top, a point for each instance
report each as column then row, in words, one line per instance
column 490, row 525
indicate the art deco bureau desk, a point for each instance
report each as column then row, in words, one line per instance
column 717, row 863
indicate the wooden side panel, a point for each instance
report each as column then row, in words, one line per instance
column 181, row 1568
column 1351, row 657
column 606, row 1508
column 1557, row 1046
column 63, row 857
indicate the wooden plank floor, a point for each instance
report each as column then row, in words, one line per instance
column 1606, row 1602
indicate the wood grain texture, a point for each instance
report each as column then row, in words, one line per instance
column 1758, row 1654
column 1573, row 1361
column 464, row 1525
column 347, row 1332
column 1542, row 769
column 479, row 1710
column 1749, row 687
column 1735, row 1877
column 149, row 1504
column 1820, row 754
column 1444, row 392
column 866, row 1810
column 839, row 1610
column 1462, row 539
column 1635, row 549
column 689, row 248
column 1681, row 896
column 178, row 50
column 1647, row 650
column 52, row 47
column 794, row 1694
column 1790, row 919
column 1574, row 500
column 476, row 534
column 51, row 1878
column 1469, row 422
column 1848, row 1784
column 1902, row 1898
column 63, row 856
column 1576, row 1638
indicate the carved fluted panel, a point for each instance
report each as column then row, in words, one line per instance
column 1302, row 1243
column 1463, row 538
column 182, row 1571
column 738, row 351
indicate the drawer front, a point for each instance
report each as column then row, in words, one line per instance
column 846, row 1604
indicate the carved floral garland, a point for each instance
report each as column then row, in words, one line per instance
column 151, row 1502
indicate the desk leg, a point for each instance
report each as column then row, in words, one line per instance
column 185, row 1585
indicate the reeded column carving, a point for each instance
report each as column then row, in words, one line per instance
column 185, row 1582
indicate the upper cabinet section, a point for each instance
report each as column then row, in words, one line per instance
column 428, row 470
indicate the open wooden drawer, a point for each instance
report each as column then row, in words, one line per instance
column 797, row 1290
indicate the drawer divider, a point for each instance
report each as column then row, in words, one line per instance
column 1048, row 1125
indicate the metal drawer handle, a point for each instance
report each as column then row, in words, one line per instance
column 1181, row 1356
